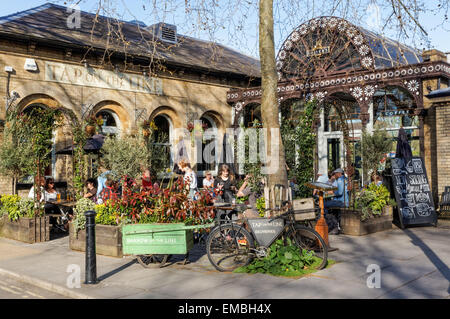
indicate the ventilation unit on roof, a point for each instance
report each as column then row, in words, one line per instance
column 165, row 32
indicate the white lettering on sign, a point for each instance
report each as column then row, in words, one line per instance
column 417, row 179
column 266, row 224
column 80, row 75
column 165, row 240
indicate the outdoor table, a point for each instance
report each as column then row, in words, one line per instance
column 321, row 226
column 230, row 207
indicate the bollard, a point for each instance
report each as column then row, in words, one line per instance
column 91, row 257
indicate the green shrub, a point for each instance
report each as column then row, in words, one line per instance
column 83, row 205
column 371, row 200
column 15, row 207
column 106, row 215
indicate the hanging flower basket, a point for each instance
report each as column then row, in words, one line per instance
column 90, row 130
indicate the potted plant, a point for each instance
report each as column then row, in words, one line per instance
column 372, row 212
column 19, row 221
column 92, row 123
column 154, row 207
column 108, row 237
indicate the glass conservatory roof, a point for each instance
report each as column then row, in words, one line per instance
column 330, row 45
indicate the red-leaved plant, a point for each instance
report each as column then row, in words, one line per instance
column 162, row 205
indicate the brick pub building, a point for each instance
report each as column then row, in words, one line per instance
column 141, row 73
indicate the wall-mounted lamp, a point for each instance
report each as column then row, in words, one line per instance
column 9, row 69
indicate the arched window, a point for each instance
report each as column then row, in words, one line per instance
column 162, row 140
column 111, row 122
column 394, row 108
column 208, row 160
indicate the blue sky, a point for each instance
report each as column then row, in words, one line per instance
column 439, row 35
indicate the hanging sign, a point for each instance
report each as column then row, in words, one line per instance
column 318, row 51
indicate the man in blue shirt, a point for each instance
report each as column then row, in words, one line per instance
column 340, row 198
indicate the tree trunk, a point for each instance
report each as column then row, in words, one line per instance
column 269, row 102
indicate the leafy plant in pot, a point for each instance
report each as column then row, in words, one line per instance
column 371, row 201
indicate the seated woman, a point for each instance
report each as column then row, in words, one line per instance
column 91, row 185
column 225, row 184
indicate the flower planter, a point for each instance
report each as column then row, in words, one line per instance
column 90, row 130
column 351, row 223
column 28, row 230
column 108, row 240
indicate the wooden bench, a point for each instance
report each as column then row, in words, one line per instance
column 444, row 204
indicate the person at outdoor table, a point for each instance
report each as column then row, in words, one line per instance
column 208, row 181
column 146, row 179
column 91, row 185
column 190, row 178
column 42, row 193
column 50, row 196
column 50, row 193
column 341, row 195
column 108, row 192
column 225, row 183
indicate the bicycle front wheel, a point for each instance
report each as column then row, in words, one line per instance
column 307, row 238
column 229, row 247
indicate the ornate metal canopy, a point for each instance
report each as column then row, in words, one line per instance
column 328, row 55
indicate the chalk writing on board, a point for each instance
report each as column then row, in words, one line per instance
column 409, row 167
column 412, row 191
column 417, row 164
column 423, row 209
column 410, row 200
column 401, row 180
column 407, row 213
column 422, row 198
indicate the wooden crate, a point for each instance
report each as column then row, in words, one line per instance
column 28, row 230
column 304, row 204
column 108, row 240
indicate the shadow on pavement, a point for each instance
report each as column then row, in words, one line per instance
column 115, row 271
column 440, row 265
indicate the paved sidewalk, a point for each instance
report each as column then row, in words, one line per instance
column 414, row 264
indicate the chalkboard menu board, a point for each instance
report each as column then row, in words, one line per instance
column 412, row 192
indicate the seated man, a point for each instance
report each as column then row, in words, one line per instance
column 340, row 198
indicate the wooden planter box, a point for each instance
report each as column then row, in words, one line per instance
column 351, row 223
column 108, row 240
column 28, row 230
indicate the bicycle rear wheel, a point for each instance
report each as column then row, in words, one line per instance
column 307, row 238
column 229, row 247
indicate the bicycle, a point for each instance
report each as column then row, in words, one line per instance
column 230, row 245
